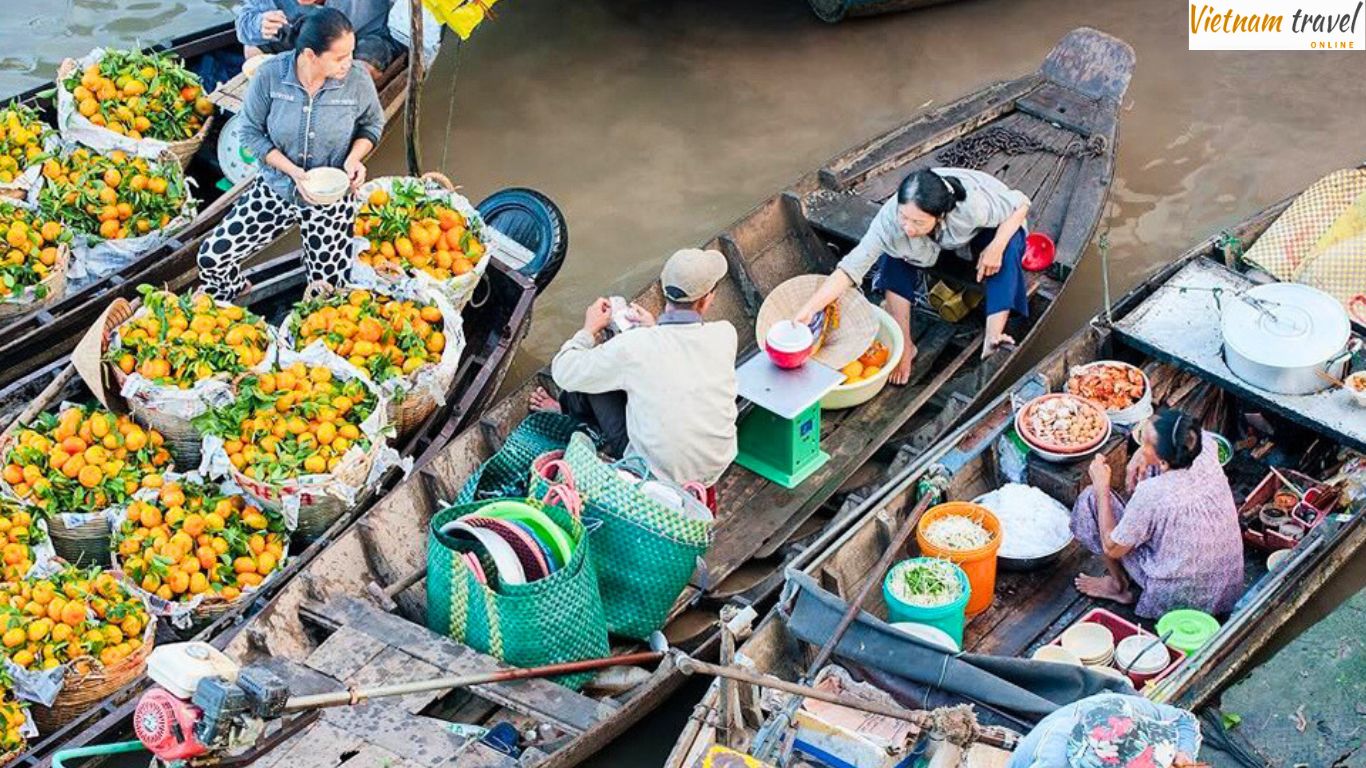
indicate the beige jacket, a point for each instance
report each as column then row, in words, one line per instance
column 679, row 382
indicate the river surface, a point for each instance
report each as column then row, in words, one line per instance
column 656, row 123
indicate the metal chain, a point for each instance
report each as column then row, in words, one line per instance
column 976, row 150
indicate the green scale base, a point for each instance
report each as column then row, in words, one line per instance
column 785, row 451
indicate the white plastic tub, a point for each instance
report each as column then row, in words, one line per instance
column 850, row 395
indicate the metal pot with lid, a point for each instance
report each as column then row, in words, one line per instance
column 1281, row 336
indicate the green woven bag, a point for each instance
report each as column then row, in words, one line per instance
column 505, row 473
column 556, row 619
column 644, row 552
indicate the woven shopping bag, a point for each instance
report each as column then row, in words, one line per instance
column 555, row 619
column 645, row 552
column 504, row 475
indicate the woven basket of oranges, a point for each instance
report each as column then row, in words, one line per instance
column 420, row 228
column 80, row 457
column 302, row 439
column 24, row 141
column 176, row 356
column 77, row 632
column 34, row 255
column 142, row 103
column 197, row 549
column 407, row 341
column 24, row 541
column 15, row 725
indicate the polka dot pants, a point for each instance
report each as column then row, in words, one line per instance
column 260, row 216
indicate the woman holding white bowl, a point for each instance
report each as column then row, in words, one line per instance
column 314, row 108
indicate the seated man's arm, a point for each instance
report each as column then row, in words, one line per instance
column 583, row 365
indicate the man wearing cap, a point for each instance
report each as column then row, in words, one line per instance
column 664, row 390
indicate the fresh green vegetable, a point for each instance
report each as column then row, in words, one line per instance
column 928, row 583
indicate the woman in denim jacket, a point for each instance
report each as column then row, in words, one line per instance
column 312, row 108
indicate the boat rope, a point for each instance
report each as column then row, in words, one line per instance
column 450, row 106
column 976, row 150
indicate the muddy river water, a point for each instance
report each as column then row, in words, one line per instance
column 655, row 123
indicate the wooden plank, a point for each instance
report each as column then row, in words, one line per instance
column 1091, row 62
column 320, row 745
column 1068, row 108
column 384, row 723
column 1026, row 605
column 392, row 666
column 543, row 699
column 844, row 216
column 344, row 653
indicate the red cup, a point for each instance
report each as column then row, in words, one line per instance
column 789, row 345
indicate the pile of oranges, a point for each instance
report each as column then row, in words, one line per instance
column 180, row 340
column 869, row 364
column 76, row 615
column 381, row 335
column 112, row 196
column 84, row 458
column 141, row 95
column 11, row 718
column 29, row 247
column 296, row 421
column 412, row 230
column 22, row 135
column 190, row 539
column 19, row 531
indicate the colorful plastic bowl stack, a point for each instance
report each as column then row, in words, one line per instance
column 521, row 541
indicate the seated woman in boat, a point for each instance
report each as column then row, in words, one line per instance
column 664, row 391
column 1177, row 538
column 270, row 26
column 1111, row 729
column 934, row 211
column 311, row 108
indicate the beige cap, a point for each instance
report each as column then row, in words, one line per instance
column 691, row 273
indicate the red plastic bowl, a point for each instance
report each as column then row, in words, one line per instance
column 789, row 352
column 787, row 359
column 1039, row 252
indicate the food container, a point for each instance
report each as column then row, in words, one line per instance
column 1092, row 643
column 789, row 344
column 858, row 393
column 1225, row 448
column 1034, row 562
column 1121, row 417
column 1190, row 629
column 1052, row 451
column 1263, row 521
column 948, row 618
column 979, row 564
column 1120, row 629
column 1056, row 654
column 1281, row 337
column 324, row 186
column 1355, row 385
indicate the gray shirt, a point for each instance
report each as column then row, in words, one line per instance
column 988, row 204
column 312, row 131
column 368, row 17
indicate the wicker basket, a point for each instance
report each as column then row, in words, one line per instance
column 81, row 693
column 183, row 150
column 85, row 544
column 55, row 283
column 317, row 510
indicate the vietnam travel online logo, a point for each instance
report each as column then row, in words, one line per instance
column 1277, row 25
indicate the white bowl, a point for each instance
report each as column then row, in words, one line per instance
column 1056, row 654
column 1154, row 658
column 1091, row 642
column 928, row 634
column 325, row 186
column 850, row 395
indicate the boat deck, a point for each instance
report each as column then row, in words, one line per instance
column 1180, row 323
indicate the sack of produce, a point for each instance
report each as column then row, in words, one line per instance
column 506, row 472
column 37, row 252
column 421, row 228
column 145, row 104
column 73, row 637
column 120, row 206
column 193, row 549
column 407, row 338
column 24, row 142
column 304, row 439
column 176, row 357
column 651, row 537
column 476, row 596
column 80, row 457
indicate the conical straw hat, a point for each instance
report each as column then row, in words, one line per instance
column 855, row 325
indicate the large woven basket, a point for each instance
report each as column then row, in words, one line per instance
column 81, row 693
column 85, row 544
column 55, row 283
column 317, row 511
column 183, row 149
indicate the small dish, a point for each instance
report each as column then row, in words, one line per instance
column 1355, row 386
column 550, row 533
column 1056, row 654
column 1090, row 642
column 928, row 634
column 528, row 553
column 324, row 186
column 1274, row 560
column 504, row 558
column 1142, row 654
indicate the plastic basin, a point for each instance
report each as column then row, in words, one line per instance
column 948, row 618
column 850, row 395
column 979, row 564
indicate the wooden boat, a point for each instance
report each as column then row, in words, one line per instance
column 834, row 11
column 1071, row 102
column 1312, row 434
column 28, row 342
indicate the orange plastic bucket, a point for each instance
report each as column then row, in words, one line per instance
column 979, row 564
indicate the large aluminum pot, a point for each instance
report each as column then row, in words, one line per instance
column 1281, row 337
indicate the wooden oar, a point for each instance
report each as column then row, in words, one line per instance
column 384, row 596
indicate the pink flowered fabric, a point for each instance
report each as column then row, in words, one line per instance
column 1183, row 527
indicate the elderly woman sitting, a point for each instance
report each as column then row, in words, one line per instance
column 1177, row 539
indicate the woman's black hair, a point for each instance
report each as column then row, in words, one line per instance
column 320, row 28
column 1178, row 438
column 931, row 193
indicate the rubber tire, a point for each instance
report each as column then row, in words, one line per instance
column 829, row 11
column 533, row 220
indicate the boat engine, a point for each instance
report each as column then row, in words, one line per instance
column 204, row 703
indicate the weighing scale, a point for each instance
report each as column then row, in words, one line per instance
column 780, row 437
